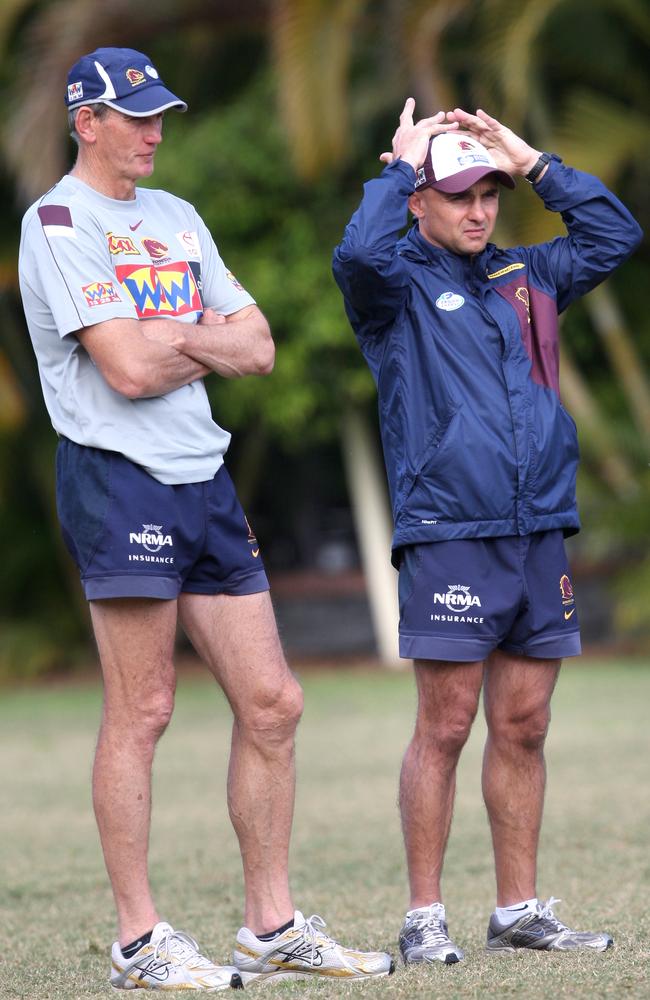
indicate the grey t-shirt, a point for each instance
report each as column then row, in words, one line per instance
column 84, row 259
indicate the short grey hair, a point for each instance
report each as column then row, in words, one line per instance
column 99, row 110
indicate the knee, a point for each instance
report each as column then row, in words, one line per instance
column 272, row 714
column 524, row 728
column 448, row 735
column 453, row 734
column 158, row 712
column 143, row 719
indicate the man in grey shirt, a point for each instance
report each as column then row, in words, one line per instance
column 129, row 306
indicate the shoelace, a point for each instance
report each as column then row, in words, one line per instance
column 545, row 912
column 180, row 947
column 313, row 935
column 430, row 923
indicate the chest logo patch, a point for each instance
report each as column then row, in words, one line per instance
column 449, row 301
column 189, row 241
column 156, row 249
column 121, row 244
column 167, row 290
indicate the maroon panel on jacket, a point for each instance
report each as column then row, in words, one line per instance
column 538, row 322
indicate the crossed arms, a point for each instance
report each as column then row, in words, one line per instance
column 140, row 358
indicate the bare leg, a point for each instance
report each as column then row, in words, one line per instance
column 447, row 702
column 517, row 698
column 238, row 639
column 135, row 638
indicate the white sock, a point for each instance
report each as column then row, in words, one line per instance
column 507, row 915
column 425, row 909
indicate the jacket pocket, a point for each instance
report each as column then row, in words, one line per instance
column 554, row 463
column 428, row 456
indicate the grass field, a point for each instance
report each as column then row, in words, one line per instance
column 347, row 864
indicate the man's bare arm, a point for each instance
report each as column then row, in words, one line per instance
column 137, row 366
column 233, row 346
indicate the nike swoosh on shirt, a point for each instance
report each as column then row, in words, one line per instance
column 567, row 614
column 133, row 228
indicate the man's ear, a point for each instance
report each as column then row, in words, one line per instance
column 415, row 205
column 85, row 122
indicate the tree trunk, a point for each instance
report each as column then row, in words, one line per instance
column 367, row 488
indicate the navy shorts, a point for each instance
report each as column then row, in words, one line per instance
column 461, row 599
column 132, row 536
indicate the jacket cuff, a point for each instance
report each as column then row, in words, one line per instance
column 405, row 172
column 546, row 181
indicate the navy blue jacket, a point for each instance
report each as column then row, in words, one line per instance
column 464, row 351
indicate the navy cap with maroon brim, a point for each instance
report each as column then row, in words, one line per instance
column 124, row 79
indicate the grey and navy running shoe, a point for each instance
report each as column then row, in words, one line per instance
column 424, row 937
column 542, row 931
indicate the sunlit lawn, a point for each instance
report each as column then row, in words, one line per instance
column 55, row 905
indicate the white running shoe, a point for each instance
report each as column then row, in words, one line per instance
column 170, row 961
column 305, row 952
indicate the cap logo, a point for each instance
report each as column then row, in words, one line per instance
column 135, row 77
column 470, row 158
column 464, row 144
column 75, row 91
column 150, row 71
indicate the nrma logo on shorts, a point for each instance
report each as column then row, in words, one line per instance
column 459, row 602
column 152, row 539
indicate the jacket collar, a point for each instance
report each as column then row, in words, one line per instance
column 414, row 247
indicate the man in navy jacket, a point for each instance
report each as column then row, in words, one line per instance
column 462, row 340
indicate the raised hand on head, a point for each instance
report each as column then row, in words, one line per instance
column 411, row 138
column 511, row 153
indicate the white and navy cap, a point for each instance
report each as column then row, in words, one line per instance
column 455, row 161
column 122, row 78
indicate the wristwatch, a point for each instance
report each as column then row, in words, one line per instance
column 535, row 171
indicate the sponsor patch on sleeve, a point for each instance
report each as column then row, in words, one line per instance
column 100, row 293
column 231, row 277
column 56, row 220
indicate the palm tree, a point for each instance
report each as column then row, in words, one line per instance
column 603, row 133
column 312, row 43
